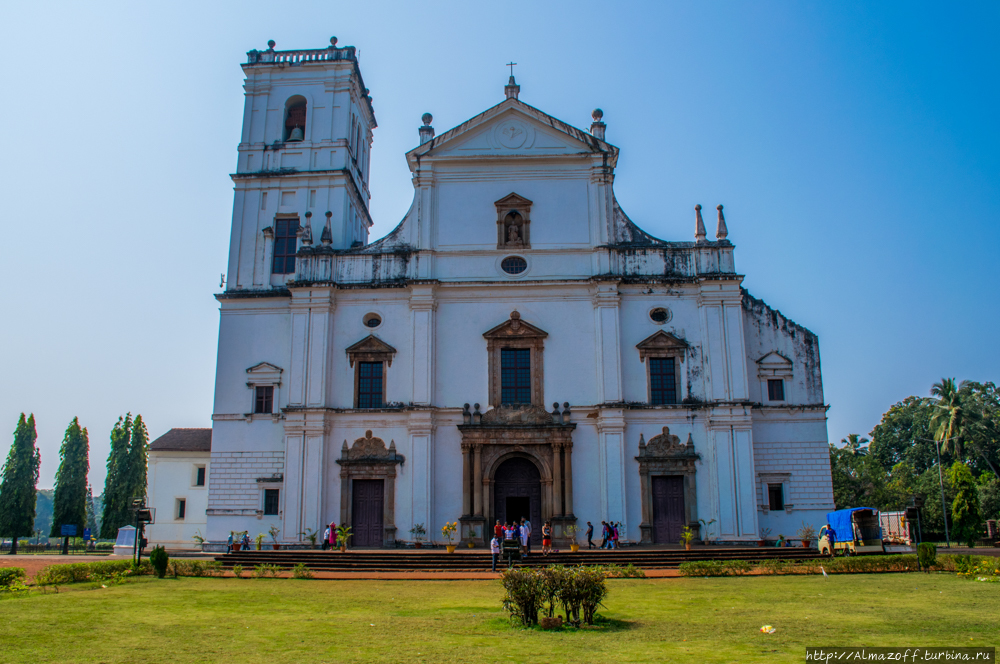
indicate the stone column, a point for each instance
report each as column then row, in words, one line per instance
column 477, row 480
column 557, row 508
column 466, row 509
column 569, row 480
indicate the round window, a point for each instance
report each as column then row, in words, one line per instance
column 659, row 315
column 372, row 320
column 514, row 265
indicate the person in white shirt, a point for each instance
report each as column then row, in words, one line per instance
column 525, row 536
column 326, row 538
column 495, row 550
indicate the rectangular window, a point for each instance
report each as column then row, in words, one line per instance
column 370, row 385
column 775, row 389
column 181, row 507
column 264, row 399
column 271, row 502
column 515, row 375
column 199, row 479
column 285, row 238
column 662, row 386
column 263, row 201
column 775, row 496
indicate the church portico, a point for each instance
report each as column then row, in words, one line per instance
column 516, row 452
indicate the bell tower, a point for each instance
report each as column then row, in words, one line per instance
column 302, row 171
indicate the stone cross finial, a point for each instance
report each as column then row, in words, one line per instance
column 699, row 225
column 722, row 232
column 512, row 89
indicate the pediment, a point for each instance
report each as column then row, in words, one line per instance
column 511, row 127
column 370, row 449
column 264, row 367
column 774, row 359
column 515, row 328
column 661, row 343
column 370, row 349
column 512, row 201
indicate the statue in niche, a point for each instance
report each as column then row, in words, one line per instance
column 514, row 235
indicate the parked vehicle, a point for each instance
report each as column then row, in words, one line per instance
column 855, row 530
column 896, row 533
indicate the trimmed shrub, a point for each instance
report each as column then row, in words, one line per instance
column 264, row 570
column 525, row 593
column 159, row 560
column 926, row 554
column 195, row 567
column 629, row 571
column 578, row 590
column 10, row 577
column 238, row 571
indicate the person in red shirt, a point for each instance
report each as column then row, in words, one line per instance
column 498, row 530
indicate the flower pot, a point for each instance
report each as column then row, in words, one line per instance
column 418, row 544
column 574, row 547
column 276, row 546
column 762, row 543
column 472, row 544
column 450, row 547
column 687, row 546
column 236, row 546
column 805, row 544
column 343, row 548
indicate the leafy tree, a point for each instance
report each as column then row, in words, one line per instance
column 989, row 496
column 967, row 522
column 858, row 479
column 71, row 481
column 19, row 483
column 984, row 433
column 115, row 513
column 904, row 435
column 952, row 415
column 138, row 456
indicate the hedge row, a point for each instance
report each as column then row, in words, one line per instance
column 58, row 575
column 975, row 565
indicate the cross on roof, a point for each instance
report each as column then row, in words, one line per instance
column 511, row 65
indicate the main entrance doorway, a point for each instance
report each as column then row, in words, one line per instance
column 668, row 509
column 517, row 492
column 366, row 513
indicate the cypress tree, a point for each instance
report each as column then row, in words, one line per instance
column 71, row 481
column 115, row 513
column 19, row 484
column 91, row 513
column 138, row 454
column 966, row 519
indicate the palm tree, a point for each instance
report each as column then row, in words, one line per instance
column 952, row 414
column 855, row 444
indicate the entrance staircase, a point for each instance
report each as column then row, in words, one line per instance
column 478, row 560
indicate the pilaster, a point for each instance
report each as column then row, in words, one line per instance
column 420, row 428
column 422, row 309
column 611, row 446
column 312, row 315
column 606, row 311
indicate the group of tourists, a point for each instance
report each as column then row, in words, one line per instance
column 609, row 535
column 330, row 537
column 518, row 534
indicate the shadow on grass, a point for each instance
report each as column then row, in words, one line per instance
column 602, row 625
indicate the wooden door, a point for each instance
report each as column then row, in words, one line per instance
column 366, row 513
column 668, row 509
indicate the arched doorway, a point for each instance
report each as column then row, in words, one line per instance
column 517, row 492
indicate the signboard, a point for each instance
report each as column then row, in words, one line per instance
column 68, row 531
column 86, row 534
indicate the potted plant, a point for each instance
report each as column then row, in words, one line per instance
column 572, row 530
column 418, row 533
column 259, row 540
column 448, row 530
column 273, row 531
column 236, row 540
column 199, row 539
column 807, row 534
column 472, row 537
column 781, row 541
column 311, row 535
column 764, row 532
column 705, row 525
column 686, row 536
column 343, row 534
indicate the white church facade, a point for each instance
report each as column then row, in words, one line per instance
column 515, row 346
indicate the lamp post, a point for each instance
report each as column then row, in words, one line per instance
column 944, row 510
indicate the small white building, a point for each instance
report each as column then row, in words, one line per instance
column 516, row 346
column 177, row 487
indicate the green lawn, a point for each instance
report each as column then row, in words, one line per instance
column 285, row 620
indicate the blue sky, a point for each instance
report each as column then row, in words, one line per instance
column 854, row 145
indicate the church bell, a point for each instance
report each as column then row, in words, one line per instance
column 296, row 134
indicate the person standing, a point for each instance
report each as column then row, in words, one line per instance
column 546, row 538
column 590, row 535
column 230, row 543
column 498, row 530
column 495, row 550
column 326, row 538
column 526, row 535
column 604, row 534
column 332, row 536
column 614, row 535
